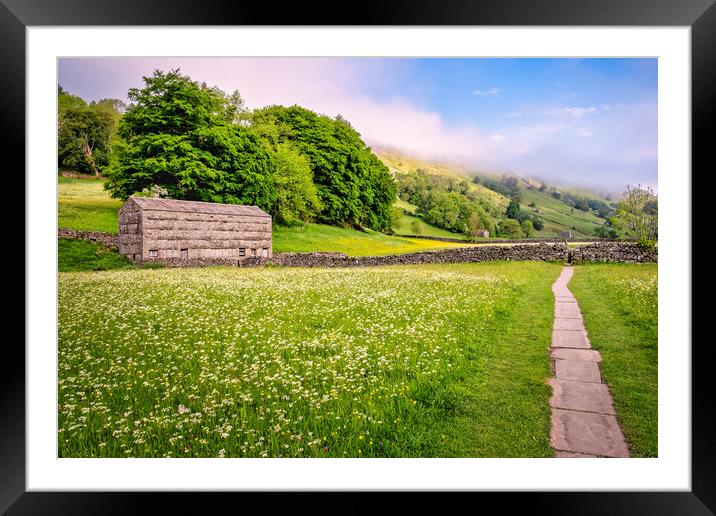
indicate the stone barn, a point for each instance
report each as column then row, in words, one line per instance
column 169, row 230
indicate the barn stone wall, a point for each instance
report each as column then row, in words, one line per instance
column 130, row 231
column 205, row 236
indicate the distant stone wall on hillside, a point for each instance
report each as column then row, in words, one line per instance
column 612, row 252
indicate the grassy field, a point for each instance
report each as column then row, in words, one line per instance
column 82, row 255
column 83, row 204
column 619, row 303
column 444, row 360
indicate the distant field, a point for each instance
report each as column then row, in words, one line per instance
column 409, row 361
column 619, row 303
column 84, row 205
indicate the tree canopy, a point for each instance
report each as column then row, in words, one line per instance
column 85, row 132
column 180, row 135
column 354, row 186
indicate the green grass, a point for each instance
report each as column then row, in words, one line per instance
column 409, row 361
column 80, row 255
column 83, row 204
column 619, row 303
column 323, row 238
column 405, row 227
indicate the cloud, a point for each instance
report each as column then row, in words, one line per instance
column 483, row 93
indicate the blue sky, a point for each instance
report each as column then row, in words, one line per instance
column 585, row 122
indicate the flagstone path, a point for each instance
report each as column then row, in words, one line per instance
column 584, row 422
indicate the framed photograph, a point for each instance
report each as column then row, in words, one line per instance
column 257, row 267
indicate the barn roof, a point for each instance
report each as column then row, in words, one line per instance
column 149, row 203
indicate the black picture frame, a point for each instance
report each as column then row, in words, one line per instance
column 700, row 15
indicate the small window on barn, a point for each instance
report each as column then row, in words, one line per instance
column 184, row 254
column 153, row 253
column 264, row 252
column 242, row 251
column 253, row 251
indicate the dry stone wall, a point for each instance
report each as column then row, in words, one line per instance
column 106, row 239
column 544, row 252
column 612, row 252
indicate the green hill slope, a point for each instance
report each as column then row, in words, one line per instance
column 558, row 216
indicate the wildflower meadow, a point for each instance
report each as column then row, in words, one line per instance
column 375, row 362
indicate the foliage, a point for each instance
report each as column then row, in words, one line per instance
column 445, row 202
column 354, row 187
column 527, row 228
column 177, row 134
column 506, row 185
column 416, row 227
column 85, row 132
column 513, row 210
column 637, row 216
column 607, row 230
column 509, row 228
column 296, row 195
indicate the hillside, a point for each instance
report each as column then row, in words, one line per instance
column 401, row 162
column 558, row 216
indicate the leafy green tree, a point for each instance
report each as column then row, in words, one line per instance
column 537, row 223
column 513, row 210
column 354, row 186
column 637, row 215
column 85, row 132
column 607, row 230
column 416, row 227
column 527, row 228
column 296, row 195
column 176, row 134
column 509, row 228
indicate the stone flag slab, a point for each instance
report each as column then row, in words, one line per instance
column 567, row 310
column 587, row 355
column 568, row 324
column 577, row 371
column 585, row 396
column 587, row 432
column 570, row 339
